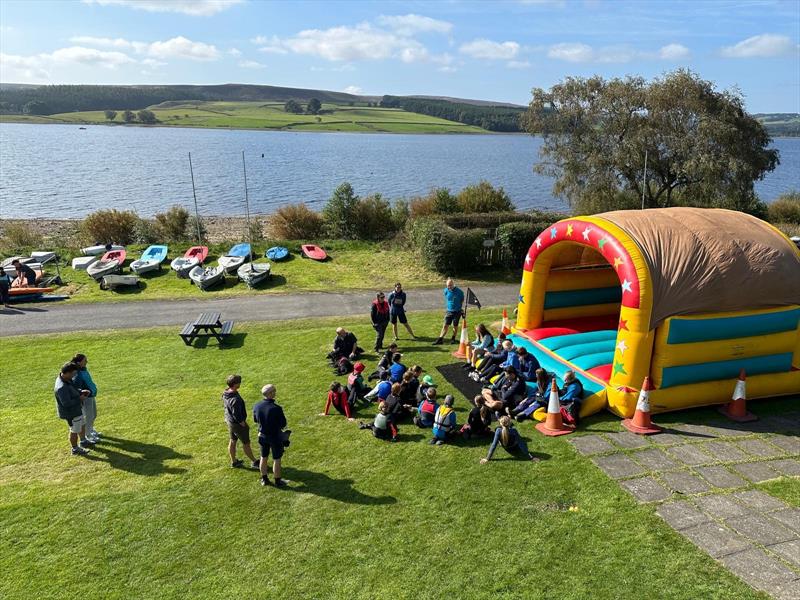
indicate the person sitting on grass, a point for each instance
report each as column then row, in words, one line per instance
column 345, row 345
column 397, row 369
column 444, row 423
column 484, row 342
column 537, row 398
column 508, row 437
column 426, row 411
column 382, row 390
column 422, row 391
column 356, row 387
column 394, row 403
column 491, row 362
column 271, row 422
column 412, row 385
column 385, row 362
column 478, row 421
column 506, row 397
column 528, row 365
column 69, row 399
column 570, row 398
column 236, row 419
column 382, row 427
column 337, row 397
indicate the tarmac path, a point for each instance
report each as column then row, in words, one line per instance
column 66, row 316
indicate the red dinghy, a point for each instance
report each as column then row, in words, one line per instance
column 198, row 252
column 114, row 255
column 313, row 252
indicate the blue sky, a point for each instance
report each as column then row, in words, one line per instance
column 486, row 50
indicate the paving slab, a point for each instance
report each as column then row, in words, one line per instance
column 761, row 448
column 790, row 517
column 591, row 444
column 690, row 454
column 790, row 443
column 758, row 500
column 717, row 540
column 681, row 514
column 787, row 591
column 626, row 439
column 725, row 451
column 654, row 459
column 786, row 466
column 728, row 429
column 721, row 506
column 684, row 483
column 646, row 489
column 667, row 438
column 693, row 432
column 788, row 551
column 762, row 529
column 618, row 466
column 721, row 477
column 763, row 572
column 755, row 472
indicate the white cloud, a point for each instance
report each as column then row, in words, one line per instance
column 571, row 52
column 195, row 8
column 518, row 64
column 37, row 67
column 251, row 64
column 235, row 52
column 181, row 47
column 153, row 63
column 482, row 48
column 761, row 46
column 271, row 45
column 673, row 52
column 352, row 89
column 410, row 24
column 361, row 42
column 103, row 42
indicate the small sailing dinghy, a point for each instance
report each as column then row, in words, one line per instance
column 113, row 282
column 235, row 258
column 111, row 262
column 194, row 256
column 206, row 277
column 277, row 253
column 150, row 260
column 254, row 273
column 99, row 249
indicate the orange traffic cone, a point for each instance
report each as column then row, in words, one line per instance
column 554, row 424
column 469, row 353
column 464, row 341
column 736, row 409
column 640, row 423
column 505, row 329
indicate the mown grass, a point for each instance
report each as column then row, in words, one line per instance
column 270, row 115
column 352, row 266
column 157, row 512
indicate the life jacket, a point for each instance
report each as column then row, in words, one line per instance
column 381, row 307
column 351, row 379
column 428, row 409
column 442, row 421
column 381, row 421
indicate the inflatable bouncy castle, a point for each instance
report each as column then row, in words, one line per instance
column 686, row 296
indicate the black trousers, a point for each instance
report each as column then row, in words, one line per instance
column 380, row 331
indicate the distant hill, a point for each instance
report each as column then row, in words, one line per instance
column 781, row 124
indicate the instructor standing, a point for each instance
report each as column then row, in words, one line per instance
column 271, row 421
column 453, row 300
column 397, row 308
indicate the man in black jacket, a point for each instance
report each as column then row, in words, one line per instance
column 271, row 421
column 69, row 404
column 236, row 419
column 345, row 345
column 379, row 313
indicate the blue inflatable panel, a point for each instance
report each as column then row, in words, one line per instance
column 682, row 331
column 566, row 298
column 571, row 339
column 726, row 369
column 590, row 361
column 578, row 350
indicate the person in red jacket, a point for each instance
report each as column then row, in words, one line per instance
column 337, row 397
column 379, row 313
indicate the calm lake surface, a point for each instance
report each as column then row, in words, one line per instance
column 60, row 171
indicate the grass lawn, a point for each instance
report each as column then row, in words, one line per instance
column 157, row 513
column 353, row 265
column 271, row 115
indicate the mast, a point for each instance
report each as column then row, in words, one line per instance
column 247, row 212
column 194, row 193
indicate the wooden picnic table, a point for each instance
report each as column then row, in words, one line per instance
column 208, row 324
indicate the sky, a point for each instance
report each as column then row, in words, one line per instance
column 483, row 50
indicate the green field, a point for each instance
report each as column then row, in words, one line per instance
column 271, row 115
column 156, row 512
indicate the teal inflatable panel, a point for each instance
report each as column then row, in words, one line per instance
column 578, row 350
column 566, row 298
column 684, row 331
column 726, row 369
column 590, row 361
column 571, row 339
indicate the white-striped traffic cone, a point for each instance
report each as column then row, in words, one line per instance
column 554, row 424
column 505, row 328
column 641, row 423
column 463, row 342
column 736, row 409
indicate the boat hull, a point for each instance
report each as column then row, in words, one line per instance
column 145, row 266
column 231, row 263
column 182, row 265
column 254, row 273
column 205, row 278
column 112, row 282
column 103, row 267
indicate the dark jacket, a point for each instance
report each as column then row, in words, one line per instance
column 233, row 405
column 528, row 367
column 397, row 303
column 270, row 419
column 477, row 423
column 68, row 399
column 345, row 346
column 512, row 390
column 379, row 312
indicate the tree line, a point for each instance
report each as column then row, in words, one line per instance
column 491, row 118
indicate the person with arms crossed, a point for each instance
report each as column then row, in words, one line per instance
column 397, row 304
column 453, row 299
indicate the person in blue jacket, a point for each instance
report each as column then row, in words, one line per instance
column 398, row 369
column 397, row 310
column 528, row 365
column 508, row 437
column 84, row 381
column 444, row 422
column 453, row 300
column 570, row 398
column 537, row 398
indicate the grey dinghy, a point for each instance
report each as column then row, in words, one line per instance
column 205, row 278
column 254, row 273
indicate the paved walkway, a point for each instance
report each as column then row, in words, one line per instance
column 702, row 478
column 66, row 316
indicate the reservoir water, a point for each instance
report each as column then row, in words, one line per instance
column 60, row 171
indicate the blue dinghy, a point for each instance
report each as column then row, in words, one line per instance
column 277, row 253
column 235, row 257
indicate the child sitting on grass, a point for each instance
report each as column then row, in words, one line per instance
column 382, row 428
column 479, row 420
column 444, row 423
column 508, row 437
column 337, row 397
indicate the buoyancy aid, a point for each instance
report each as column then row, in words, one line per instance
column 442, row 420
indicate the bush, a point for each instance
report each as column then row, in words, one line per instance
column 421, row 207
column 786, row 209
column 172, row 225
column 295, row 222
column 516, row 238
column 373, row 218
column 256, row 230
column 437, row 201
column 19, row 236
column 339, row 213
column 196, row 229
column 110, row 226
column 483, row 197
column 444, row 249
column 493, row 220
column 400, row 214
column 146, row 233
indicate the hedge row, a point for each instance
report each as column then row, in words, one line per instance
column 444, row 249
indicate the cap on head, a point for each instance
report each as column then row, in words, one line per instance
column 268, row 391
column 359, row 367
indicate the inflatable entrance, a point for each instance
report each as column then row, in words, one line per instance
column 686, row 296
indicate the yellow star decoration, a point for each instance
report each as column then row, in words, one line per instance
column 569, row 230
column 617, row 262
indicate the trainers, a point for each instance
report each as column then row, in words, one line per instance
column 78, row 451
column 256, row 464
column 453, row 340
column 432, row 442
column 96, row 434
column 265, row 481
column 439, row 442
column 438, row 342
column 87, row 444
column 237, row 463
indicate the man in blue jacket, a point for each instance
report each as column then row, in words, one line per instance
column 453, row 300
column 271, row 421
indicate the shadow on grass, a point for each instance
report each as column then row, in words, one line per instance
column 322, row 485
column 126, row 290
column 234, row 340
column 150, row 460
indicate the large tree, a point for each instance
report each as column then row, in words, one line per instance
column 702, row 148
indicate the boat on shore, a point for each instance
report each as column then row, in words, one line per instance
column 150, row 260
column 313, row 252
column 254, row 273
column 111, row 262
column 207, row 277
column 100, row 249
column 235, row 258
column 196, row 255
column 112, row 282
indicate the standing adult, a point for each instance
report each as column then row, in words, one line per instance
column 379, row 313
column 68, row 404
column 453, row 300
column 5, row 285
column 271, row 421
column 397, row 303
column 236, row 420
column 84, row 381
column 27, row 276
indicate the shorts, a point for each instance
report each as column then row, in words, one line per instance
column 75, row 424
column 452, row 318
column 399, row 316
column 268, row 446
column 239, row 432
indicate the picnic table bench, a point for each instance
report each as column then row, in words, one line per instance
column 208, row 324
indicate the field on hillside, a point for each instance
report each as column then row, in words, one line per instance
column 271, row 115
column 156, row 512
